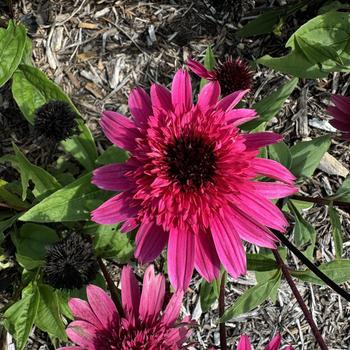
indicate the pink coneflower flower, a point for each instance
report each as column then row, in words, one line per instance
column 341, row 114
column 98, row 324
column 244, row 343
column 232, row 75
column 191, row 180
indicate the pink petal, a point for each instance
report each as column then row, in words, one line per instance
column 102, row 306
column 111, row 177
column 261, row 139
column 116, row 209
column 261, row 210
column 181, row 247
column 230, row 101
column 208, row 96
column 181, row 92
column 129, row 225
column 172, row 311
column 207, row 262
column 274, row 190
column 229, row 247
column 338, row 114
column 150, row 241
column 244, row 343
column 152, row 296
column 161, row 98
column 274, row 343
column 239, row 116
column 341, row 125
column 250, row 230
column 273, row 169
column 81, row 310
column 119, row 130
column 342, row 102
column 140, row 105
column 199, row 69
column 71, row 348
column 82, row 333
column 130, row 295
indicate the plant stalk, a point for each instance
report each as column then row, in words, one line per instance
column 223, row 341
column 321, row 201
column 298, row 297
column 312, row 266
column 111, row 286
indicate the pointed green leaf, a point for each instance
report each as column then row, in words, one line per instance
column 337, row 270
column 43, row 181
column 306, row 155
column 269, row 106
column 48, row 317
column 253, row 297
column 336, row 231
column 19, row 317
column 12, row 43
column 209, row 293
column 112, row 154
column 82, row 147
column 209, row 63
column 73, row 202
column 280, row 153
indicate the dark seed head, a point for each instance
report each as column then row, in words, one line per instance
column 70, row 263
column 191, row 161
column 233, row 75
column 55, row 121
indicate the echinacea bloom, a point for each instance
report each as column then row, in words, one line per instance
column 341, row 114
column 274, row 344
column 232, row 75
column 98, row 324
column 191, row 180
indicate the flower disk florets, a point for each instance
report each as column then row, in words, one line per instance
column 70, row 263
column 55, row 121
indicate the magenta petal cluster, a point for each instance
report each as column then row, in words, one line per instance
column 98, row 325
column 191, row 181
column 274, row 344
column 341, row 114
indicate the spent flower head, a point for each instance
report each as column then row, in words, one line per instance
column 232, row 75
column 70, row 263
column 55, row 121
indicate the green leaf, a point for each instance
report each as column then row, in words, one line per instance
column 253, row 297
column 71, row 203
column 320, row 46
column 267, row 22
column 260, row 262
column 43, row 181
column 10, row 198
column 27, row 52
column 337, row 270
column 48, row 317
column 280, row 153
column 306, row 155
column 332, row 6
column 12, row 43
column 209, row 293
column 31, row 89
column 209, row 63
column 109, row 242
column 343, row 193
column 4, row 225
column 269, row 106
column 304, row 232
column 336, row 231
column 112, row 154
column 31, row 242
column 82, row 147
column 19, row 317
